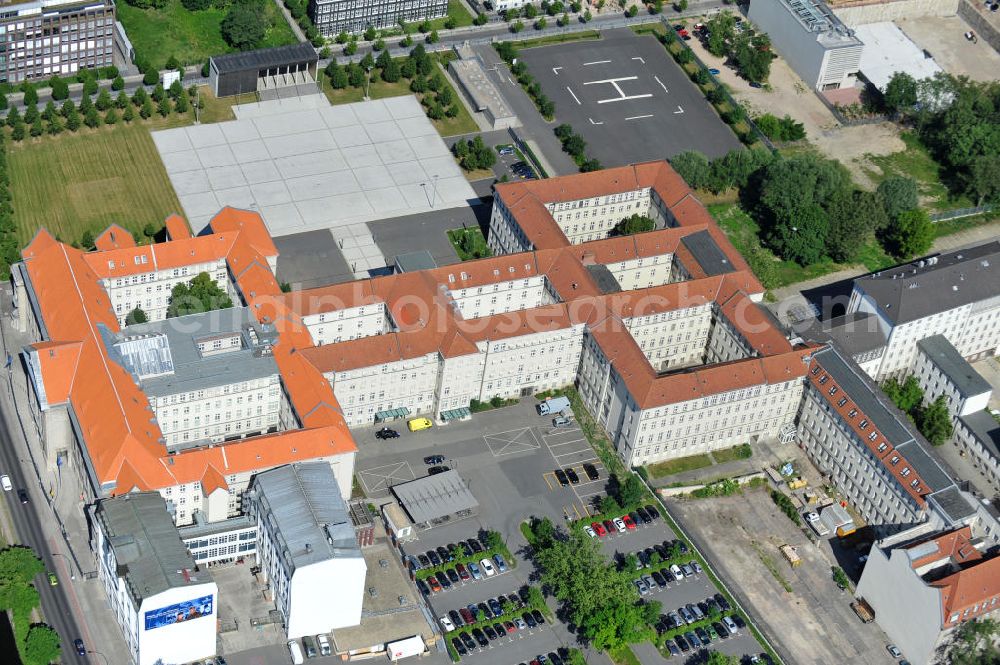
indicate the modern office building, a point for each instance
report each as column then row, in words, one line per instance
column 922, row 586
column 823, row 51
column 307, row 548
column 164, row 604
column 956, row 295
column 43, row 38
column 143, row 407
column 331, row 17
column 262, row 70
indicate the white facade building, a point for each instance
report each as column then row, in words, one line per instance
column 817, row 45
column 307, row 548
column 165, row 606
column 942, row 371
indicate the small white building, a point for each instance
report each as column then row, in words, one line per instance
column 165, row 605
column 307, row 548
column 888, row 51
column 941, row 370
column 817, row 45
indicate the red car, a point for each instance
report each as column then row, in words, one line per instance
column 434, row 584
column 599, row 529
column 610, row 526
column 462, row 572
column 629, row 524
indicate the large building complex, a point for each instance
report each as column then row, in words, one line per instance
column 331, row 17
column 165, row 606
column 307, row 549
column 43, row 38
column 190, row 407
column 956, row 295
column 817, row 45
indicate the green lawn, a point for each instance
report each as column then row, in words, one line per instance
column 915, row 161
column 472, row 247
column 731, row 454
column 189, row 36
column 678, row 465
column 584, row 35
column 457, row 11
column 964, row 224
column 88, row 180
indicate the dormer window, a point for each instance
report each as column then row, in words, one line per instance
column 905, row 472
column 873, row 436
column 852, row 413
column 842, row 402
column 815, row 370
column 882, row 446
column 863, row 424
column 823, row 379
column 894, row 460
column 833, row 391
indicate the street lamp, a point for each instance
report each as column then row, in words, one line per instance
column 98, row 653
column 368, row 81
column 69, row 564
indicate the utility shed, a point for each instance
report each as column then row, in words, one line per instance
column 262, row 69
column 434, row 500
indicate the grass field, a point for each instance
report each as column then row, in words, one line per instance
column 730, row 454
column 916, row 162
column 88, row 180
column 678, row 465
column 584, row 35
column 189, row 36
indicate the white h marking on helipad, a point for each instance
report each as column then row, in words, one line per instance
column 575, row 99
column 621, row 93
column 596, row 62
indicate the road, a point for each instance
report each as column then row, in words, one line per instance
column 28, row 519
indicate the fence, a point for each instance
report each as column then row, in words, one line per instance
column 960, row 212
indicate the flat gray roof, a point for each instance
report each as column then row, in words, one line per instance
column 883, row 415
column 187, row 368
column 986, row 430
column 707, row 253
column 815, row 16
column 951, row 363
column 415, row 261
column 278, row 56
column 433, row 497
column 954, row 503
column 604, row 278
column 485, row 96
column 302, row 503
column 146, row 545
column 935, row 284
column 855, row 333
column 203, row 528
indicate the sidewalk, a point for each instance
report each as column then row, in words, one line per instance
column 67, row 532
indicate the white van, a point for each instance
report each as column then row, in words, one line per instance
column 295, row 651
column 5, row 481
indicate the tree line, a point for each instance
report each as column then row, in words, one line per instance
column 932, row 419
column 37, row 643
column 574, row 146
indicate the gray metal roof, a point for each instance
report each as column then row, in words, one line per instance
column 951, row 363
column 986, row 430
column 707, row 253
column 855, row 333
column 146, row 544
column 604, row 278
column 164, row 355
column 302, row 503
column 883, row 415
column 433, row 497
column 414, row 261
column 955, row 504
column 935, row 284
column 279, row 56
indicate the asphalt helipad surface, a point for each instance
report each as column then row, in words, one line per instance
column 628, row 99
column 306, row 165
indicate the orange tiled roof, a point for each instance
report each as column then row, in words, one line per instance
column 114, row 237
column 123, row 441
column 177, row 227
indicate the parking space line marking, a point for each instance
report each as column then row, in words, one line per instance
column 639, row 59
column 575, row 98
column 640, row 117
column 563, row 443
column 546, row 477
column 596, row 62
column 555, row 70
column 679, row 110
column 657, row 79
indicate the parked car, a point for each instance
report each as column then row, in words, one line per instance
column 485, row 609
column 561, row 477
column 589, row 530
column 423, row 588
column 686, row 615
column 487, row 567
column 443, row 580
column 676, row 571
column 475, row 545
column 620, row 525
column 22, row 495
column 418, row 424
column 459, row 647
column 505, row 150
column 435, row 470
column 682, row 643
column 463, row 572
column 688, row 571
column 5, row 481
column 468, row 617
column 561, row 421
column 674, row 649
column 387, row 433
column 641, row 587
column 652, row 512
column 490, row 633
column 501, row 564
column 539, row 619
column 692, row 639
column 434, row 558
column 599, row 529
column 434, row 459
column 642, row 515
column 703, row 635
column 697, row 567
column 520, row 623
column 434, row 584
column 650, row 582
column 476, row 573
column 693, row 609
column 447, row 624
column 495, row 607
column 468, row 641
column 627, row 521
column 894, row 651
column 723, row 603
column 452, row 576
column 721, row 630
column 573, row 478
column 660, row 582
column 754, row 84
column 295, row 651
column 530, row 620
column 610, row 526
column 713, row 71
column 53, row 580
column 591, row 471
column 730, row 625
column 480, row 637
column 80, row 649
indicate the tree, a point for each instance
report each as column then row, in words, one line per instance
column 634, row 10
column 540, row 23
column 338, row 78
column 909, row 234
column 150, row 77
column 450, row 23
column 589, row 165
column 14, row 117
column 172, row 63
column 633, row 224
column 984, row 178
column 138, row 97
column 59, row 89
column 370, row 34
column 87, row 240
column 164, row 108
column 391, row 72
column 587, row 16
column 41, row 645
column 206, row 68
column 158, row 93
column 30, row 114
column 195, row 6
column 974, row 643
column 146, row 110
column 351, row 48
column 128, row 115
column 92, row 118
column 3, row 102
column 898, row 194
column 343, row 37
column 137, row 315
column 176, row 90
column 693, row 166
column 433, row 37
column 379, row 45
column 719, row 658
column 852, row 220
column 111, row 117
column 17, row 132
column 103, row 102
column 753, row 56
column 201, row 294
column 73, row 120
column 934, row 422
column 481, row 19
column 30, row 94
column 55, row 126
column 630, row 490
column 907, row 396
column 900, row 94
column 244, row 25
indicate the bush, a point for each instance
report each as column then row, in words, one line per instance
column 786, row 506
column 244, row 25
column 150, row 77
column 59, row 89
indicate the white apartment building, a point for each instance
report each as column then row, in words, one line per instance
column 977, row 435
column 307, row 548
column 347, row 323
column 956, row 295
column 672, row 339
column 164, row 605
column 215, row 542
column 942, row 371
column 209, row 377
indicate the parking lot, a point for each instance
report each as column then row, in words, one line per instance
column 511, row 471
column 813, row 622
column 628, row 99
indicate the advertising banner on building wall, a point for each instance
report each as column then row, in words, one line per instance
column 179, row 612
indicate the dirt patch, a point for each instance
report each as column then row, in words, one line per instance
column 813, row 622
column 788, row 94
column 943, row 37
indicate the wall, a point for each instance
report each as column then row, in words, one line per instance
column 675, row 339
column 798, row 47
column 340, row 580
column 869, row 11
column 189, row 640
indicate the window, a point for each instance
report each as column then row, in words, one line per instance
column 833, row 391
column 905, row 472
column 863, row 424
column 842, row 402
column 824, row 379
column 852, row 413
column 894, row 460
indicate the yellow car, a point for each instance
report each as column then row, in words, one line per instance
column 52, row 580
column 418, row 424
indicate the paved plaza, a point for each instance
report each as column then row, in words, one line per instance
column 306, row 165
